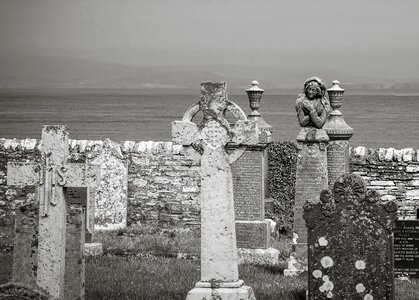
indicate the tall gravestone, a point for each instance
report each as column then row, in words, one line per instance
column 311, row 175
column 51, row 177
column 250, row 184
column 339, row 133
column 350, row 237
column 219, row 269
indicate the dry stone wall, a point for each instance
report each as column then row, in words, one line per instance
column 162, row 183
column 393, row 173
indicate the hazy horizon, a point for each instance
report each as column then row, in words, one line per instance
column 375, row 40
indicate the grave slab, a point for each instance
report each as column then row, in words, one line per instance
column 406, row 248
column 350, row 238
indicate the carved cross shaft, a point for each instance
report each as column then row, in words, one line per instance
column 218, row 236
column 51, row 176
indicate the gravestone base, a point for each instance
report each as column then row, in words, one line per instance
column 297, row 263
column 258, row 256
column 93, row 249
column 253, row 234
column 240, row 293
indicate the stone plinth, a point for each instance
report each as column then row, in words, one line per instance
column 242, row 293
column 74, row 257
column 350, row 238
column 311, row 179
column 339, row 133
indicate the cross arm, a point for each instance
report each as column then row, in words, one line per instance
column 81, row 175
column 245, row 133
column 20, row 173
column 185, row 132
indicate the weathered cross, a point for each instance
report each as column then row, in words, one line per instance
column 218, row 237
column 51, row 176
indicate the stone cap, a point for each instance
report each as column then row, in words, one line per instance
column 384, row 154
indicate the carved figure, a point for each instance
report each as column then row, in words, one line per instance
column 312, row 106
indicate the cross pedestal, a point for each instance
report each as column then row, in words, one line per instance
column 219, row 263
column 51, row 176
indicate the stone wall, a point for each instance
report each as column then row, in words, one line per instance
column 156, row 182
column 393, row 173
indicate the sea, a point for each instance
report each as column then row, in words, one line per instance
column 146, row 115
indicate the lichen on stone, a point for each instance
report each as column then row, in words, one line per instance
column 326, row 262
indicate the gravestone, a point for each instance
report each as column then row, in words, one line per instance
column 311, row 175
column 350, row 238
column 25, row 249
column 406, row 248
column 111, row 194
column 51, row 176
column 339, row 133
column 250, row 186
column 219, row 265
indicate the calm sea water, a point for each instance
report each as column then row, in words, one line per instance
column 379, row 121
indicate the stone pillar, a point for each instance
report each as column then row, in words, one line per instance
column 311, row 174
column 250, row 185
column 74, row 256
column 339, row 133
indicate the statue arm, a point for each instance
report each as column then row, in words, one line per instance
column 303, row 119
column 318, row 120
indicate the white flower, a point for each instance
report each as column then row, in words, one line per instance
column 360, row 264
column 368, row 297
column 326, row 262
column 325, row 278
column 323, row 242
column 360, row 288
column 317, row 273
column 329, row 295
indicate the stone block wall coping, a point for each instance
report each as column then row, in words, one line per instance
column 385, row 154
column 86, row 146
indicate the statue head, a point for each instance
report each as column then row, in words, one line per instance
column 314, row 88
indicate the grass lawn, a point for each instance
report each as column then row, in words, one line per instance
column 152, row 263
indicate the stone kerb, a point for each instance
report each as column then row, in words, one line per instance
column 350, row 238
column 393, row 173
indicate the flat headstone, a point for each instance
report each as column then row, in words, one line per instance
column 406, row 248
column 350, row 238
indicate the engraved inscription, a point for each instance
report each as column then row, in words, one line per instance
column 248, row 186
column 252, row 235
column 406, row 248
column 337, row 160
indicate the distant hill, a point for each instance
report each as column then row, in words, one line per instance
column 27, row 71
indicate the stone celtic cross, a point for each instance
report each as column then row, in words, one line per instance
column 209, row 138
column 50, row 177
column 350, row 238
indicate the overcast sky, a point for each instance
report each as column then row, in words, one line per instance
column 371, row 37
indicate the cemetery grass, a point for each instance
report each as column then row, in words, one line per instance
column 154, row 263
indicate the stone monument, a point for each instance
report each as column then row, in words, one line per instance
column 311, row 175
column 51, row 177
column 250, row 185
column 350, row 238
column 219, row 265
column 339, row 133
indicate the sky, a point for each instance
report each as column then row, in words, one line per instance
column 369, row 37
